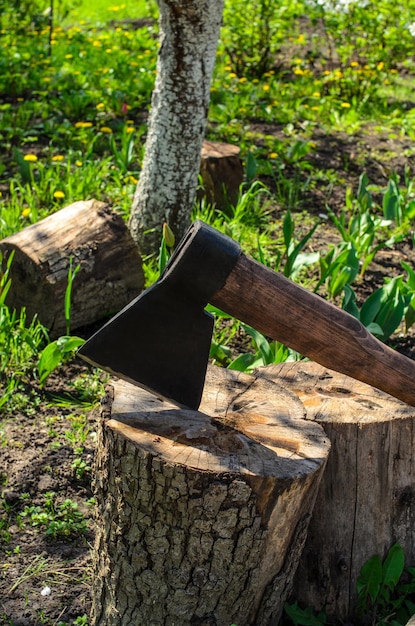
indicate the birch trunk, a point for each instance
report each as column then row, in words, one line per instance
column 189, row 30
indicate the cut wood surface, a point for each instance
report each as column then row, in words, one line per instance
column 202, row 514
column 96, row 238
column 366, row 500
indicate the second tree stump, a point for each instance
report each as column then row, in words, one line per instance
column 202, row 514
column 366, row 500
column 96, row 238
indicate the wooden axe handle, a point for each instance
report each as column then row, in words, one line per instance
column 305, row 322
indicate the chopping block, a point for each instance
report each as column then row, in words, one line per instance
column 202, row 515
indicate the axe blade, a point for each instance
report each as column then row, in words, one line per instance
column 161, row 340
column 158, row 343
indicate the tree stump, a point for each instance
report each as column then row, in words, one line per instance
column 222, row 173
column 202, row 514
column 366, row 500
column 96, row 238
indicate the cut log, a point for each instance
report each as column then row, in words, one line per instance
column 202, row 515
column 221, row 172
column 366, row 500
column 94, row 237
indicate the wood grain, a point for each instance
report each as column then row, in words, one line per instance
column 366, row 499
column 315, row 328
column 96, row 238
column 203, row 514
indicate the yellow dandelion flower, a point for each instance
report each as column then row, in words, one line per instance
column 232, row 75
column 380, row 66
column 131, row 179
column 273, row 155
column 58, row 195
column 58, row 157
column 316, row 94
column 68, row 56
column 301, row 38
column 78, row 163
column 129, row 129
column 83, row 124
column 354, row 64
column 266, row 87
column 32, row 158
column 106, row 129
column 298, row 71
column 345, row 105
column 243, row 79
column 26, row 212
column 100, row 106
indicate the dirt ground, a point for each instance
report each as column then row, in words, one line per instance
column 46, row 579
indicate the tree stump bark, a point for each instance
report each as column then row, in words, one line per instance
column 222, row 173
column 202, row 514
column 366, row 500
column 96, row 238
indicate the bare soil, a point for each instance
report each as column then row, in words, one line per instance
column 46, row 579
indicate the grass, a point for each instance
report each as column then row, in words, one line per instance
column 74, row 120
column 103, row 11
column 286, row 88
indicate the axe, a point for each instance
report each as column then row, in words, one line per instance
column 161, row 340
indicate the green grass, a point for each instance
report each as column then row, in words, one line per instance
column 73, row 111
column 74, row 119
column 103, row 11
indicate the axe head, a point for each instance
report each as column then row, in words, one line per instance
column 161, row 340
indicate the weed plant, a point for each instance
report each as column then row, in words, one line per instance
column 75, row 91
column 74, row 118
column 385, row 594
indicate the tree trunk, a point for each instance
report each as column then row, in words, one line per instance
column 202, row 515
column 222, row 174
column 189, row 30
column 366, row 500
column 98, row 241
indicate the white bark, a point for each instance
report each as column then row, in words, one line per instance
column 189, row 31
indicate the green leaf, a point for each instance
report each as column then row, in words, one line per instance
column 393, row 566
column 250, row 167
column 304, row 617
column 369, row 580
column 261, row 343
column 411, row 275
column 288, row 230
column 392, row 308
column 293, row 260
column 391, row 203
column 242, row 363
column 349, row 302
column 55, row 353
column 371, row 307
